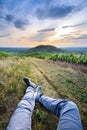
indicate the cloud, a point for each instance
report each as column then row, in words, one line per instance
column 1, row 17
column 74, row 36
column 4, row 35
column 47, row 30
column 20, row 24
column 38, row 37
column 74, row 25
column 82, row 37
column 54, row 12
column 9, row 17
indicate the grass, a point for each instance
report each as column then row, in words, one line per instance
column 70, row 57
column 56, row 81
column 3, row 54
column 67, row 57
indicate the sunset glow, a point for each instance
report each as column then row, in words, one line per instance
column 25, row 23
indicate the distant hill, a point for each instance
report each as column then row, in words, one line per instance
column 13, row 49
column 45, row 48
column 75, row 49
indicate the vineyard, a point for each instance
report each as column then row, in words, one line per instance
column 68, row 57
column 65, row 78
column 58, row 80
column 71, row 58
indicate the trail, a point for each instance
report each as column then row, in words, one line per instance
column 41, row 80
column 46, row 78
column 58, row 80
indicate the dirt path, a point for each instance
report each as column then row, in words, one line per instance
column 58, row 80
column 41, row 78
column 56, row 76
column 82, row 68
column 48, row 80
column 62, row 80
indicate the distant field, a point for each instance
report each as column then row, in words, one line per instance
column 23, row 49
column 58, row 80
column 13, row 49
column 75, row 49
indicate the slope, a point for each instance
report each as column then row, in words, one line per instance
column 56, row 81
column 45, row 48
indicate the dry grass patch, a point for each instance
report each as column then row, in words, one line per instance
column 56, row 81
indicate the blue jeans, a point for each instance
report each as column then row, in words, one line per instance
column 67, row 111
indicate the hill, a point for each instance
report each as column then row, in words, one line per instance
column 13, row 49
column 56, row 54
column 45, row 48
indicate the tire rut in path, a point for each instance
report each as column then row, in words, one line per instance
column 49, row 81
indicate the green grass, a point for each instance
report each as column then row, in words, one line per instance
column 56, row 81
column 41, row 55
column 71, row 58
column 67, row 57
column 3, row 54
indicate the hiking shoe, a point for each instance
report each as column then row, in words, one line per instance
column 28, row 82
column 38, row 93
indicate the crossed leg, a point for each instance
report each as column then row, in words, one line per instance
column 67, row 111
column 69, row 117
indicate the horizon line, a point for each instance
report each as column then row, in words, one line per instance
column 44, row 45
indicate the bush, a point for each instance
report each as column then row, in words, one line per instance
column 71, row 58
column 3, row 54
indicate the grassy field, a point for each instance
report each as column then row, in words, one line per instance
column 58, row 80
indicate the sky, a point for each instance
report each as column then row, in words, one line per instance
column 27, row 23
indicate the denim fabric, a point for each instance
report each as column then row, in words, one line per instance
column 21, row 118
column 69, row 117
